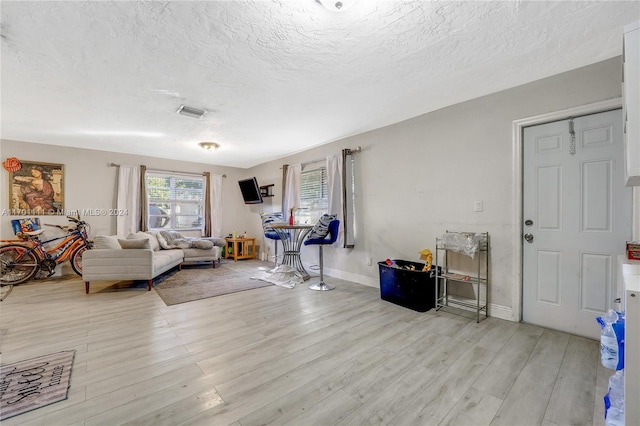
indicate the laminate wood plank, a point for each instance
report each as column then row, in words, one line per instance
column 240, row 405
column 575, row 385
column 328, row 411
column 435, row 401
column 355, row 344
column 550, row 349
column 528, row 399
column 422, row 346
column 299, row 400
column 221, row 344
column 328, row 331
column 474, row 331
column 444, row 355
column 443, row 323
column 386, row 404
column 226, row 368
column 175, row 412
column 278, row 366
column 378, row 378
column 116, row 376
column 127, row 337
column 164, row 402
column 501, row 373
column 498, row 335
column 476, row 408
column 121, row 353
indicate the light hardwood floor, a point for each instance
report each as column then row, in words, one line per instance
column 299, row 357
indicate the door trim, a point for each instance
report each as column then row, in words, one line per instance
column 517, row 171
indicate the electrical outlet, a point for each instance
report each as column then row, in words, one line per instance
column 369, row 261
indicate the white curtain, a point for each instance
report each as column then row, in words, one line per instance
column 216, row 205
column 291, row 196
column 334, row 192
column 128, row 199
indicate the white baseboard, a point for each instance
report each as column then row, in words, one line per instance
column 356, row 278
column 502, row 312
column 497, row 311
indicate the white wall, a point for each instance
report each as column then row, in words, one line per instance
column 418, row 178
column 421, row 177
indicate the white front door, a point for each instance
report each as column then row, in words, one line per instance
column 576, row 220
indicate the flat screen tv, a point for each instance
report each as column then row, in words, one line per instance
column 250, row 191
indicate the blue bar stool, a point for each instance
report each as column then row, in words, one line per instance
column 269, row 232
column 334, row 225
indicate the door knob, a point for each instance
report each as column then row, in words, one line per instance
column 528, row 237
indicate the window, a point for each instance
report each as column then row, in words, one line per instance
column 314, row 201
column 175, row 201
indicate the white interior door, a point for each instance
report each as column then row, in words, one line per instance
column 576, row 220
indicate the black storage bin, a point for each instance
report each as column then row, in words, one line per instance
column 411, row 289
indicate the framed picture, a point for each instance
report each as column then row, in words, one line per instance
column 37, row 189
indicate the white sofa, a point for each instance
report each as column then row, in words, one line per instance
column 140, row 257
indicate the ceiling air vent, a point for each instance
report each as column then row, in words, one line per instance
column 190, row 112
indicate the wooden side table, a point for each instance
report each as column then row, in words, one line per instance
column 241, row 248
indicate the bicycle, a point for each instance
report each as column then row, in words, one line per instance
column 22, row 260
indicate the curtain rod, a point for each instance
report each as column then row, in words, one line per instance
column 167, row 171
column 347, row 150
column 355, row 150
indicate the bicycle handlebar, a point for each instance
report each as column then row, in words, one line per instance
column 64, row 228
column 76, row 220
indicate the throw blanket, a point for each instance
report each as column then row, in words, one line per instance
column 175, row 240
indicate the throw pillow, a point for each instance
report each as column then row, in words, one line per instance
column 162, row 241
column 268, row 218
column 135, row 244
column 321, row 228
column 202, row 244
column 153, row 241
column 106, row 242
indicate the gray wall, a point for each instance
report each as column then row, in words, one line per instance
column 421, row 177
column 417, row 178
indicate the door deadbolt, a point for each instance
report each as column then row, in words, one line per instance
column 528, row 222
column 528, row 237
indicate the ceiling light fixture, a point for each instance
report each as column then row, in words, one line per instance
column 209, row 146
column 336, row 5
column 190, row 111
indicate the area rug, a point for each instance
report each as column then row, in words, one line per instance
column 201, row 282
column 284, row 276
column 34, row 383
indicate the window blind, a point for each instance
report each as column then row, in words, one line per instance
column 314, row 200
column 175, row 201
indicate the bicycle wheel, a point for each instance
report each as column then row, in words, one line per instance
column 76, row 259
column 16, row 265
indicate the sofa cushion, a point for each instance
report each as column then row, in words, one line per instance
column 106, row 242
column 153, row 241
column 201, row 254
column 321, row 228
column 134, row 243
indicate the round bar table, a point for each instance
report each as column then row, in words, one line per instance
column 292, row 237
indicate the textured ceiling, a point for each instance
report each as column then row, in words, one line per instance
column 275, row 77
